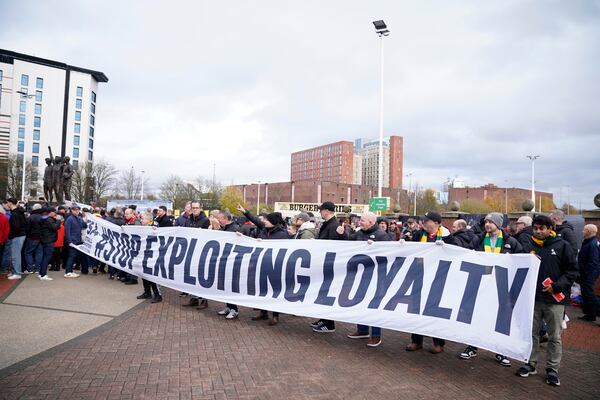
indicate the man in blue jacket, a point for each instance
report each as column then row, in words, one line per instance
column 589, row 269
column 73, row 227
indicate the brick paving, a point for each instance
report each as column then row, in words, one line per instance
column 165, row 351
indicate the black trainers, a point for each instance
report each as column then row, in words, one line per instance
column 469, row 353
column 503, row 360
column 156, row 299
column 317, row 323
column 323, row 329
column 144, row 296
column 552, row 378
column 526, row 370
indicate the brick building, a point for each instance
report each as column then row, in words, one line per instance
column 334, row 162
column 313, row 192
column 490, row 190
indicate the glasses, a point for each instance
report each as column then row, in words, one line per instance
column 195, row 208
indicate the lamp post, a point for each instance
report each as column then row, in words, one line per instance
column 142, row 194
column 409, row 175
column 27, row 96
column 258, row 198
column 533, row 158
column 381, row 30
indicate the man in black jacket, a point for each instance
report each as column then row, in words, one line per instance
column 524, row 230
column 197, row 219
column 462, row 235
column 589, row 270
column 32, row 249
column 18, row 230
column 558, row 270
column 330, row 230
column 162, row 220
column 49, row 226
column 493, row 240
column 225, row 219
column 432, row 232
column 564, row 230
column 369, row 232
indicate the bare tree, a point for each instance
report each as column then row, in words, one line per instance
column 11, row 177
column 93, row 180
column 129, row 184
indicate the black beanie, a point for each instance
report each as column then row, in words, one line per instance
column 275, row 218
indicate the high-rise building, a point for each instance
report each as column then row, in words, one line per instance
column 393, row 157
column 331, row 162
column 46, row 103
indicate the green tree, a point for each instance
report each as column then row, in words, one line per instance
column 426, row 201
column 230, row 198
column 474, row 207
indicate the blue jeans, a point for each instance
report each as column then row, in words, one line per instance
column 16, row 245
column 72, row 255
column 47, row 250
column 375, row 331
column 33, row 255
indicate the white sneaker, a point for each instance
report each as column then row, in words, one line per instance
column 14, row 276
column 71, row 275
column 26, row 272
column 224, row 312
column 45, row 278
column 232, row 314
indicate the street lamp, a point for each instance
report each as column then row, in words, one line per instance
column 533, row 158
column 142, row 195
column 258, row 198
column 381, row 30
column 409, row 187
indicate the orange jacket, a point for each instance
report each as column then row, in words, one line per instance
column 61, row 236
column 4, row 228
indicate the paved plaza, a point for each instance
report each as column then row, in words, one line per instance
column 89, row 338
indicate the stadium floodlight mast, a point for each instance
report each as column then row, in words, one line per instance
column 533, row 158
column 381, row 30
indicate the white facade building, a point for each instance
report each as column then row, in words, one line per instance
column 370, row 163
column 46, row 103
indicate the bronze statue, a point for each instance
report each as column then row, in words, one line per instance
column 67, row 175
column 57, row 178
column 48, row 180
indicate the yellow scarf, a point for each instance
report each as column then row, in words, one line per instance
column 487, row 243
column 426, row 235
column 541, row 242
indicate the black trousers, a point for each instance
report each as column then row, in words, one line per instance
column 418, row 339
column 232, row 306
column 150, row 288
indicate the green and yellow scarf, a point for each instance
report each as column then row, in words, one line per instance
column 487, row 243
column 541, row 242
column 426, row 235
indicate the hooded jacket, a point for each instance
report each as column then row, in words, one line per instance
column 374, row 233
column 306, row 231
column 557, row 263
column 463, row 238
column 566, row 232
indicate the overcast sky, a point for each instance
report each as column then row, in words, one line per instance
column 472, row 86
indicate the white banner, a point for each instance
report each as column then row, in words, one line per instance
column 481, row 299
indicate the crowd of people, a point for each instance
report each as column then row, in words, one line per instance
column 35, row 239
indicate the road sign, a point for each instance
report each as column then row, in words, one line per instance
column 379, row 203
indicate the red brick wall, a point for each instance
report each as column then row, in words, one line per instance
column 396, row 161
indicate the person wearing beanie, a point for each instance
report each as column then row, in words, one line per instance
column 493, row 240
column 273, row 227
column 306, row 228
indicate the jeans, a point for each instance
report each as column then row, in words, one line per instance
column 33, row 254
column 47, row 250
column 553, row 315
column 16, row 245
column 375, row 330
column 72, row 255
column 6, row 256
column 591, row 305
column 418, row 339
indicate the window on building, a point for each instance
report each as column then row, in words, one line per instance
column 35, row 149
column 77, row 128
column 21, row 119
column 38, row 109
column 38, row 95
column 23, row 106
column 75, row 140
column 20, row 146
column 24, row 92
column 75, row 152
column 75, row 163
column 24, row 80
column 91, row 144
column 91, row 131
column 77, row 115
column 92, row 120
column 78, row 104
column 93, row 108
column 90, row 155
column 93, row 97
column 79, row 91
column 39, row 83
column 36, row 134
column 1, row 75
column 21, row 132
column 37, row 122
column 35, row 161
